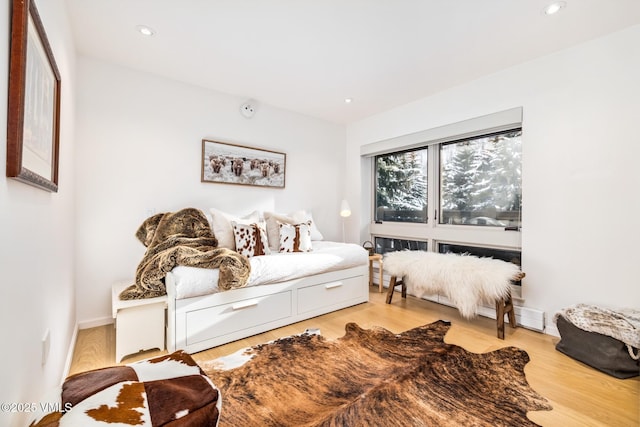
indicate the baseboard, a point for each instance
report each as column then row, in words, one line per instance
column 526, row 317
column 552, row 329
column 70, row 350
column 93, row 323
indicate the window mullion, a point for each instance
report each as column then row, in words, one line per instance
column 433, row 189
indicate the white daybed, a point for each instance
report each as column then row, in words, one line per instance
column 283, row 288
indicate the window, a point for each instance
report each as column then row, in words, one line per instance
column 508, row 255
column 387, row 244
column 401, row 186
column 456, row 187
column 480, row 181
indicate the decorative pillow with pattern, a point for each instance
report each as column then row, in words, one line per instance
column 298, row 217
column 222, row 229
column 295, row 237
column 251, row 239
column 273, row 227
column 304, row 216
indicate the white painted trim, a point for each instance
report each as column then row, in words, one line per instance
column 70, row 350
column 526, row 317
column 552, row 329
column 490, row 123
column 491, row 237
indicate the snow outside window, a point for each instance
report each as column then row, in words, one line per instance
column 401, row 186
column 480, row 181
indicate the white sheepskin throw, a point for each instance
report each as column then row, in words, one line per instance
column 466, row 280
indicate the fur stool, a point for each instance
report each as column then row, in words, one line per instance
column 467, row 281
column 168, row 390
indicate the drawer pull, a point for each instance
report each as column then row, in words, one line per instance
column 333, row 285
column 244, row 304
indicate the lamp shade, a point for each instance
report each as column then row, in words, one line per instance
column 345, row 210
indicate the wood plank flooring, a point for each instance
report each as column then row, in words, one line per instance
column 580, row 395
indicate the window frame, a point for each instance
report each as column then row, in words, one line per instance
column 427, row 149
column 438, row 190
column 432, row 231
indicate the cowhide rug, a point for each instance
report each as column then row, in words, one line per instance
column 374, row 378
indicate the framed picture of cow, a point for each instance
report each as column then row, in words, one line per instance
column 236, row 164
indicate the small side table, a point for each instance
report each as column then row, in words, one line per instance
column 140, row 323
column 375, row 257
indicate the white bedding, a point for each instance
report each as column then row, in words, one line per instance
column 274, row 268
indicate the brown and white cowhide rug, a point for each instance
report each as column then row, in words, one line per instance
column 374, row 378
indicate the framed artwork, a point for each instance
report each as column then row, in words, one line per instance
column 236, row 164
column 33, row 122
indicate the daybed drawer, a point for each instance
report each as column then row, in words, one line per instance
column 328, row 294
column 224, row 319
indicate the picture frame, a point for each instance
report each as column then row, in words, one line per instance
column 33, row 122
column 226, row 163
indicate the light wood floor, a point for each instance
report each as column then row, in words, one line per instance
column 581, row 396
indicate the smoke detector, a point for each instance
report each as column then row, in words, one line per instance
column 554, row 8
column 248, row 109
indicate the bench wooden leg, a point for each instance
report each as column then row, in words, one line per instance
column 511, row 312
column 504, row 306
column 393, row 282
column 392, row 285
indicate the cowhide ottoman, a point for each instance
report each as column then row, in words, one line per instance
column 168, row 390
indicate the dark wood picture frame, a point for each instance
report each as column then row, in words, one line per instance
column 33, row 122
column 237, row 164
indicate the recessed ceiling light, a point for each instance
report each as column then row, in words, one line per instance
column 145, row 31
column 348, row 100
column 555, row 7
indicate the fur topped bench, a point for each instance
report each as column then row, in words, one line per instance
column 466, row 280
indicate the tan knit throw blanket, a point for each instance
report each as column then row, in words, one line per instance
column 622, row 324
column 182, row 238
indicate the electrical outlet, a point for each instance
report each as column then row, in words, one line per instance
column 46, row 345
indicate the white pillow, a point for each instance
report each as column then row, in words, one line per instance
column 304, row 216
column 222, row 228
column 273, row 228
column 295, row 238
column 297, row 217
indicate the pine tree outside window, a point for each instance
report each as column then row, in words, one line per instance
column 480, row 181
column 401, row 187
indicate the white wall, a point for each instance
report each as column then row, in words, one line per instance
column 581, row 147
column 139, row 149
column 37, row 242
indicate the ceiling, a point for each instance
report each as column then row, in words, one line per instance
column 309, row 55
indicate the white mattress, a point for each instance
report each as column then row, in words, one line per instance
column 277, row 267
